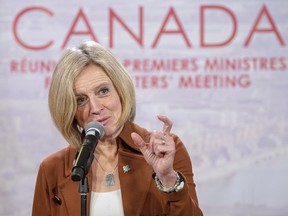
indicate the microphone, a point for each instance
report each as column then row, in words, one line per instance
column 93, row 132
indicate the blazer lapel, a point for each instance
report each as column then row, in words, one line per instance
column 133, row 172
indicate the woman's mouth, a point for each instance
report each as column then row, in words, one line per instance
column 103, row 121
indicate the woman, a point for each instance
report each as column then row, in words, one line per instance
column 89, row 84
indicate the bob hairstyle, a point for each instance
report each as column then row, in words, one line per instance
column 62, row 100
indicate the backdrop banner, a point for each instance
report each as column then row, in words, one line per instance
column 217, row 69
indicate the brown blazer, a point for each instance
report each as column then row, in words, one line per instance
column 57, row 194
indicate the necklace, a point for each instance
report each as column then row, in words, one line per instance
column 109, row 178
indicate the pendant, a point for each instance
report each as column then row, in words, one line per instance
column 109, row 179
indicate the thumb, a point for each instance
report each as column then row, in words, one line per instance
column 138, row 141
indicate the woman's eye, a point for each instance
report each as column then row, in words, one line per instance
column 81, row 101
column 103, row 91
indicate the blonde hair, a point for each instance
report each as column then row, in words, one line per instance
column 62, row 100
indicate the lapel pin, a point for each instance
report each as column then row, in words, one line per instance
column 126, row 168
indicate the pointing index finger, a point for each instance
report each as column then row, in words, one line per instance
column 167, row 123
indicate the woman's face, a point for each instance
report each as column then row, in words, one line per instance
column 97, row 99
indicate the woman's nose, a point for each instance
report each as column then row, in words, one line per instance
column 95, row 106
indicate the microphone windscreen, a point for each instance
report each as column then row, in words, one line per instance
column 95, row 126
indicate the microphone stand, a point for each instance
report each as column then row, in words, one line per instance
column 83, row 190
column 79, row 174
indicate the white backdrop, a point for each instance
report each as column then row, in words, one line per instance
column 218, row 69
